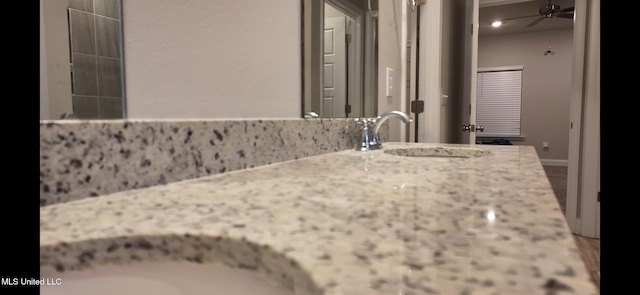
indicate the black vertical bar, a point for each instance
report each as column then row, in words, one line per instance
column 346, row 41
column 302, row 35
column 417, row 83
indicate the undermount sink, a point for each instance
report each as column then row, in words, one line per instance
column 163, row 278
column 446, row 152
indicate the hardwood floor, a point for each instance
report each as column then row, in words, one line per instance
column 589, row 247
column 590, row 252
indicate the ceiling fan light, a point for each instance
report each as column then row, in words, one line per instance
column 496, row 23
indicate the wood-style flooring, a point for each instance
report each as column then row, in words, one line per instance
column 590, row 252
column 589, row 247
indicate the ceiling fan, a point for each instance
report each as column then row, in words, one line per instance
column 548, row 11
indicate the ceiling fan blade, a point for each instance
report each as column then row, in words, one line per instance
column 512, row 18
column 565, row 15
column 535, row 22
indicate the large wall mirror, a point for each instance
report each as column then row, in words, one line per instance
column 200, row 59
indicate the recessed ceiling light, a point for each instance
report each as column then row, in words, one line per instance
column 496, row 24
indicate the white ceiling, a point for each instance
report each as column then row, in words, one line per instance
column 491, row 10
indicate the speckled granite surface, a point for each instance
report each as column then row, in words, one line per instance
column 345, row 222
column 80, row 159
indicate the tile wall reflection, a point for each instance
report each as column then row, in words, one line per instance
column 95, row 46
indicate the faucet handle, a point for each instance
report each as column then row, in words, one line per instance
column 366, row 128
column 372, row 121
column 363, row 122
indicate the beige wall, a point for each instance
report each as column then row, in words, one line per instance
column 212, row 59
column 546, row 84
column 389, row 28
column 55, row 70
column 44, row 93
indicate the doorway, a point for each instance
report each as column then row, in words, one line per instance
column 339, row 59
column 580, row 113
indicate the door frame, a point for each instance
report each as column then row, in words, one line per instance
column 472, row 26
column 355, row 54
column 583, row 177
column 429, row 71
column 370, row 67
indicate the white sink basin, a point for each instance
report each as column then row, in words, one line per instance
column 447, row 152
column 164, row 278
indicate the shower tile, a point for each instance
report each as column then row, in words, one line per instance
column 85, row 107
column 84, row 5
column 109, row 77
column 110, row 107
column 85, row 74
column 83, row 34
column 110, row 8
column 107, row 35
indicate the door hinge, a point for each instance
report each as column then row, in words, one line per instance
column 347, row 38
column 347, row 109
column 417, row 106
column 598, row 197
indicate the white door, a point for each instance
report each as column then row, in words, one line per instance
column 432, row 125
column 335, row 68
column 470, row 72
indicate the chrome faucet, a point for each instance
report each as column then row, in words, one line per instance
column 366, row 137
column 370, row 138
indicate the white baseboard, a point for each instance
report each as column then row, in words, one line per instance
column 551, row 162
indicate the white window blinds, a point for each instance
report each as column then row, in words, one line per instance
column 499, row 102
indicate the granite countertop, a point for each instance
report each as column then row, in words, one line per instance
column 346, row 222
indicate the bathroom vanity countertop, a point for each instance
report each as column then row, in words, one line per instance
column 346, row 222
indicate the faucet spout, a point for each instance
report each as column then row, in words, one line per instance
column 385, row 116
column 370, row 140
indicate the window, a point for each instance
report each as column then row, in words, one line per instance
column 499, row 101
